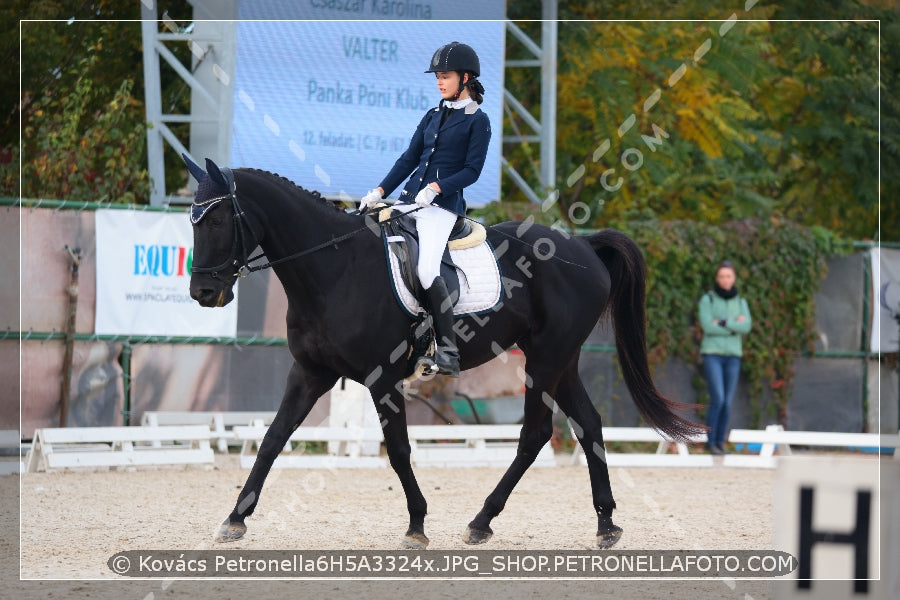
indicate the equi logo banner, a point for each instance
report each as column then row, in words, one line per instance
column 162, row 261
column 143, row 276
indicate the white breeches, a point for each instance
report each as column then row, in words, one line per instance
column 434, row 225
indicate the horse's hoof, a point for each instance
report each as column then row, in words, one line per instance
column 608, row 539
column 231, row 532
column 475, row 536
column 414, row 541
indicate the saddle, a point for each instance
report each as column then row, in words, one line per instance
column 402, row 240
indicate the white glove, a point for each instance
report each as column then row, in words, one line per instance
column 426, row 196
column 371, row 197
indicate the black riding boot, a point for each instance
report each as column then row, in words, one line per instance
column 446, row 354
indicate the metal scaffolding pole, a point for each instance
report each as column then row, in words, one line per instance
column 544, row 130
column 548, row 94
column 212, row 98
column 212, row 95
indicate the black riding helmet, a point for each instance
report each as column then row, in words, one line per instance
column 455, row 57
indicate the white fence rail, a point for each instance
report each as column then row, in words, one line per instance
column 774, row 436
column 469, row 446
column 348, row 454
column 219, row 422
column 159, row 443
column 61, row 448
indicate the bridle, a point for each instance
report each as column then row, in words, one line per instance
column 238, row 258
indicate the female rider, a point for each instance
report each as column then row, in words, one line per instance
column 446, row 154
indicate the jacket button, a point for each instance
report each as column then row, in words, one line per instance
column 426, row 163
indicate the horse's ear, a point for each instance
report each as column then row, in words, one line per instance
column 195, row 169
column 215, row 173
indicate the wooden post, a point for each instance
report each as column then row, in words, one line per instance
column 71, row 312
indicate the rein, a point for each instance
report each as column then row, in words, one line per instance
column 533, row 247
column 238, row 258
column 334, row 241
column 239, row 255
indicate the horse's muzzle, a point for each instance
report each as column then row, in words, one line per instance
column 211, row 297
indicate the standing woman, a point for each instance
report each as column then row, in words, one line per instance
column 446, row 154
column 724, row 317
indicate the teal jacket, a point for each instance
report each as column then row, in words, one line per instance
column 724, row 341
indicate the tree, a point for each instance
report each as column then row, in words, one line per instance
column 72, row 152
column 767, row 119
column 81, row 107
column 822, row 110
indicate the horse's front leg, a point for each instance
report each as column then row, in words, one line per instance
column 391, row 409
column 304, row 387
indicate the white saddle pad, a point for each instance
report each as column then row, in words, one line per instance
column 479, row 281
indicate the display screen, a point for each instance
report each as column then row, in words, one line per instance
column 332, row 104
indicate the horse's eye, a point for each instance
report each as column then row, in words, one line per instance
column 215, row 216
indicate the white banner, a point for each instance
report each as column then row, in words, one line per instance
column 143, row 277
column 886, row 295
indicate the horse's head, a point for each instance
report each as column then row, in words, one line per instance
column 220, row 248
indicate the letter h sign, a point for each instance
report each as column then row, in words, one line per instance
column 830, row 516
column 858, row 538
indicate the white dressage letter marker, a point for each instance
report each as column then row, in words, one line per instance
column 828, row 514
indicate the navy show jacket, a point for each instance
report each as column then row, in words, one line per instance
column 451, row 154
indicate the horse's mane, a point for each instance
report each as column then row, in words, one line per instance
column 292, row 188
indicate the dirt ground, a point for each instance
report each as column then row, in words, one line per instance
column 73, row 522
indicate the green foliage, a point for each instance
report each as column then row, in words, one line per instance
column 81, row 62
column 84, row 145
column 822, row 107
column 52, row 52
column 770, row 159
column 779, row 266
column 776, row 119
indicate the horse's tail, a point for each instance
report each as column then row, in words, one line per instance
column 626, row 305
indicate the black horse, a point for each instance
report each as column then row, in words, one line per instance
column 344, row 321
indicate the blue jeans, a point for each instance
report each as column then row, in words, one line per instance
column 721, row 376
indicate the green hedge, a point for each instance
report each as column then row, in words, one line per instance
column 779, row 267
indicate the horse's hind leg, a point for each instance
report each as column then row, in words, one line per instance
column 537, row 428
column 390, row 405
column 302, row 390
column 574, row 401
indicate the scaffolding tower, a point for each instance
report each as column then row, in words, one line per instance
column 212, row 42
